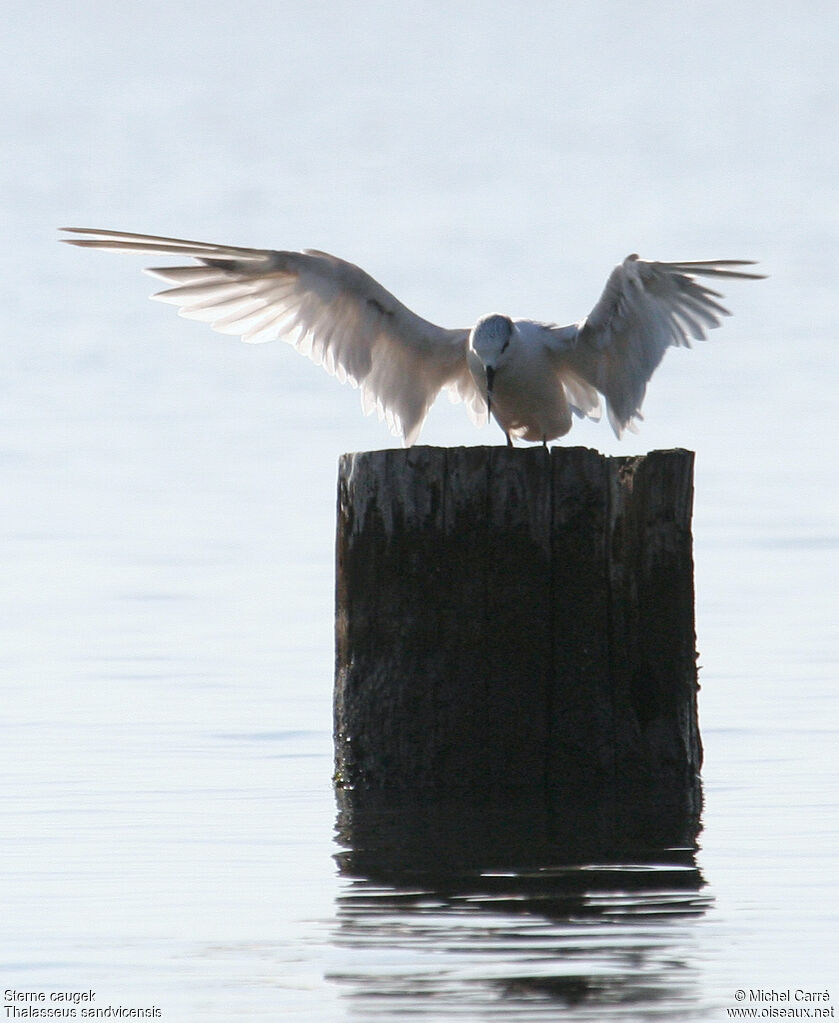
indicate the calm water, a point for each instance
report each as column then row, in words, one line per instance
column 170, row 836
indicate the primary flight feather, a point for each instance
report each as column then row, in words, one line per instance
column 530, row 376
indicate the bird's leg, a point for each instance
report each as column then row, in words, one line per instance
column 509, row 439
column 545, row 441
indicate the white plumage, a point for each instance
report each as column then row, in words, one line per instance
column 530, row 375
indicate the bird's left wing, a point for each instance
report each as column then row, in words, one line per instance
column 645, row 307
column 330, row 310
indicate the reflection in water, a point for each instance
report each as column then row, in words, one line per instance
column 517, row 907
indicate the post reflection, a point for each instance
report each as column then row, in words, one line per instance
column 517, row 906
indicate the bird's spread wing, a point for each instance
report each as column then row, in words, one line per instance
column 645, row 307
column 330, row 310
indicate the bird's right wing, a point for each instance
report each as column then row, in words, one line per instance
column 330, row 310
column 645, row 307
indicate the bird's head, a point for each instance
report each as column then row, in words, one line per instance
column 488, row 341
column 490, row 337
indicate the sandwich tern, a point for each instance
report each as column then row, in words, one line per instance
column 530, row 376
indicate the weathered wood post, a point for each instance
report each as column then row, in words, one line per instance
column 515, row 619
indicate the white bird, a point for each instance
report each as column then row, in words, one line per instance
column 530, row 376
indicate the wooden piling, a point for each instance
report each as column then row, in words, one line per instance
column 515, row 619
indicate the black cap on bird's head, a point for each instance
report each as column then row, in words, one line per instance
column 490, row 337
